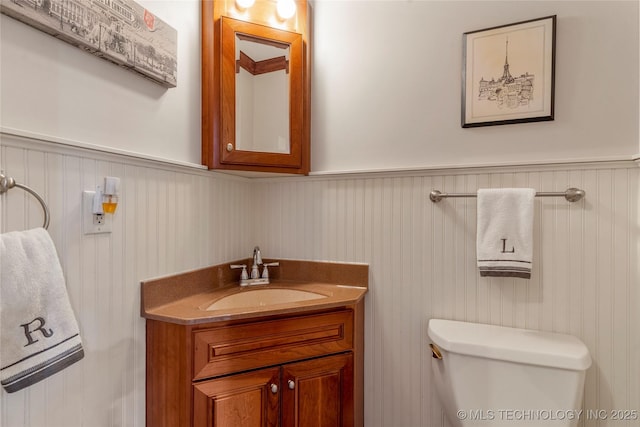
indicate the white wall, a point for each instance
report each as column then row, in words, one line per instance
column 422, row 265
column 51, row 88
column 365, row 117
column 386, row 84
column 169, row 219
column 421, row 256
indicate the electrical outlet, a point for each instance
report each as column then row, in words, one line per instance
column 93, row 223
column 98, row 219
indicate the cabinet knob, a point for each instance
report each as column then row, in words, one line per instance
column 292, row 384
column 229, row 147
column 274, row 388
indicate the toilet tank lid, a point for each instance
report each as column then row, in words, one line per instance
column 510, row 344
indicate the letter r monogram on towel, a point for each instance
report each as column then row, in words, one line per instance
column 27, row 332
column 504, row 247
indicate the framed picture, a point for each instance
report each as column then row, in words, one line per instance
column 508, row 73
column 122, row 32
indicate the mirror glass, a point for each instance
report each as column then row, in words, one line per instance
column 262, row 98
column 262, row 94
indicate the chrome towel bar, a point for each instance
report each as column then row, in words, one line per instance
column 571, row 194
column 7, row 183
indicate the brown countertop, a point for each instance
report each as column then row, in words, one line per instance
column 184, row 298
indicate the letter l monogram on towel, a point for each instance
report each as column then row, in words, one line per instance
column 505, row 232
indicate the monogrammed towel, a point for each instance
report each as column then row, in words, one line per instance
column 505, row 232
column 39, row 334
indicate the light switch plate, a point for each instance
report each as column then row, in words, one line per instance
column 93, row 224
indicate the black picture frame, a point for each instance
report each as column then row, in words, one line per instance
column 508, row 73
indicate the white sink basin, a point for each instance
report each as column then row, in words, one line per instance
column 262, row 297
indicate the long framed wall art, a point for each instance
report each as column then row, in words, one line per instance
column 120, row 31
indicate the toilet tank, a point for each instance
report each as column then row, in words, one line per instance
column 494, row 375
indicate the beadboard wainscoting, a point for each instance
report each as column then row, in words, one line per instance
column 169, row 219
column 173, row 218
column 585, row 277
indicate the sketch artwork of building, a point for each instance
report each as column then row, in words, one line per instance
column 507, row 91
column 120, row 31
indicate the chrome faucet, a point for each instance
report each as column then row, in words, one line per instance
column 256, row 278
column 257, row 260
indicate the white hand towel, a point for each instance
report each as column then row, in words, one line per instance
column 505, row 232
column 39, row 334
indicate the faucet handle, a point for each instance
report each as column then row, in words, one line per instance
column 265, row 272
column 243, row 275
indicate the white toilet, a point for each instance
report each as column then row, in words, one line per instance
column 489, row 375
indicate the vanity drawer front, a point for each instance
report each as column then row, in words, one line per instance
column 228, row 349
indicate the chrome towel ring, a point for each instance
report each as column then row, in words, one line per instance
column 7, row 183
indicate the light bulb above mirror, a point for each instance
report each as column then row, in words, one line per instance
column 244, row 4
column 286, row 8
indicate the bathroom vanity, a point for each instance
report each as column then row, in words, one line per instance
column 285, row 354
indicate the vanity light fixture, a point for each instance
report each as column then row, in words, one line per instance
column 286, row 8
column 244, row 4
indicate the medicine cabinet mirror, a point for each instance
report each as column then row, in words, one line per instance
column 255, row 95
column 262, row 94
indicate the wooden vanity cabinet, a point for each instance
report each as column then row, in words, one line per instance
column 316, row 392
column 238, row 400
column 291, row 370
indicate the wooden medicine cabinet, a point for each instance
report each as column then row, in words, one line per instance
column 255, row 87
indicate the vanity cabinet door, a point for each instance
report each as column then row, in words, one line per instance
column 318, row 392
column 243, row 400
